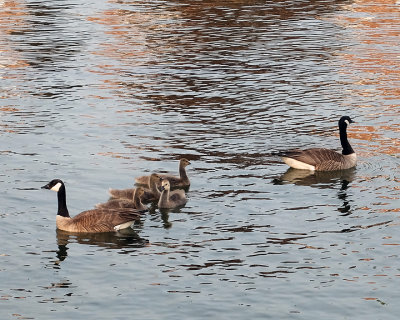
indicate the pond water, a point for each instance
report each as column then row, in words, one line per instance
column 96, row 93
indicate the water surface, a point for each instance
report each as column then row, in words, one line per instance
column 101, row 92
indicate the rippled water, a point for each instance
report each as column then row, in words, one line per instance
column 97, row 93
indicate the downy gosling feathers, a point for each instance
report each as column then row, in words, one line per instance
column 150, row 194
column 135, row 203
column 171, row 199
column 181, row 181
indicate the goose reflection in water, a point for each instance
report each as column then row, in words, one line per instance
column 124, row 239
column 322, row 180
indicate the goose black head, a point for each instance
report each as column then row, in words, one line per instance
column 345, row 120
column 54, row 185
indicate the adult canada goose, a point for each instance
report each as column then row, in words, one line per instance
column 321, row 159
column 96, row 220
column 151, row 194
column 171, row 199
column 181, row 181
column 135, row 203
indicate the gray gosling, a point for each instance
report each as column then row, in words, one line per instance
column 171, row 199
column 135, row 203
column 175, row 181
column 150, row 194
column 96, row 220
column 322, row 159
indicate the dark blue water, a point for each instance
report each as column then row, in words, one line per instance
column 98, row 93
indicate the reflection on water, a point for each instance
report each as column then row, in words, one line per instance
column 97, row 93
column 318, row 179
column 123, row 239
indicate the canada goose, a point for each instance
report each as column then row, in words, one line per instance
column 96, row 220
column 135, row 203
column 321, row 159
column 181, row 181
column 151, row 194
column 171, row 199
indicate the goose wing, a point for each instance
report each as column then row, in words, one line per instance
column 315, row 156
column 104, row 220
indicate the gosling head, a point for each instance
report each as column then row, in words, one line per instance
column 165, row 185
column 155, row 177
column 184, row 162
column 345, row 120
column 139, row 191
column 54, row 185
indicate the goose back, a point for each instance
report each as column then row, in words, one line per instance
column 98, row 220
column 320, row 159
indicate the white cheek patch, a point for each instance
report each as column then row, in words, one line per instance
column 347, row 121
column 56, row 187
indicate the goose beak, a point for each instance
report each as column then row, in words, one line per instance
column 45, row 187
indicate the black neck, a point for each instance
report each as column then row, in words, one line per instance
column 62, row 203
column 347, row 149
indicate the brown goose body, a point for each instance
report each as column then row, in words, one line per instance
column 135, row 203
column 322, row 159
column 175, row 181
column 319, row 159
column 96, row 220
column 171, row 199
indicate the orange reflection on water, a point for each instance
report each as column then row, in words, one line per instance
column 372, row 66
column 11, row 20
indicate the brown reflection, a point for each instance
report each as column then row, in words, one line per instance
column 318, row 179
column 222, row 263
column 189, row 36
column 322, row 180
column 122, row 240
